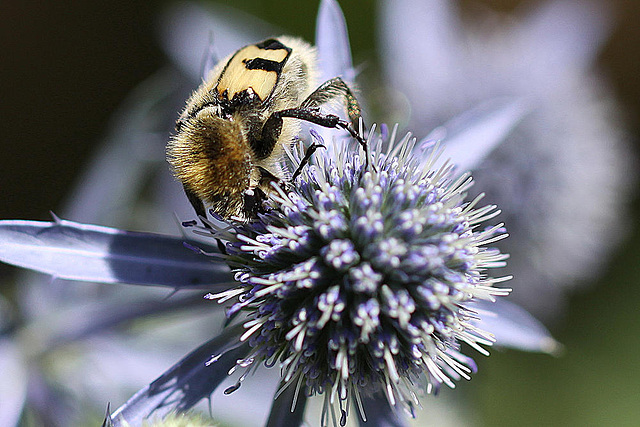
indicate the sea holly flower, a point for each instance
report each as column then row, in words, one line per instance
column 75, row 251
column 359, row 283
column 359, row 280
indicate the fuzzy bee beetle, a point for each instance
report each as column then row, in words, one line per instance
column 229, row 139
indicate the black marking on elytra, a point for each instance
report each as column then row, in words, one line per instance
column 244, row 98
column 263, row 64
column 272, row 44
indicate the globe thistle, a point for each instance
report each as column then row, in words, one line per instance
column 358, row 279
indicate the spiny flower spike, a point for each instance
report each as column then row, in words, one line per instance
column 358, row 280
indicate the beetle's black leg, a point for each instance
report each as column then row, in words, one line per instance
column 307, row 156
column 273, row 125
column 198, row 206
column 195, row 201
column 309, row 111
column 253, row 202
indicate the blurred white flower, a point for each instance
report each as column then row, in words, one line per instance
column 563, row 175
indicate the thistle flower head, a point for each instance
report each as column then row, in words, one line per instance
column 358, row 279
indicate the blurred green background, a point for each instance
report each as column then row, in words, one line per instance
column 66, row 67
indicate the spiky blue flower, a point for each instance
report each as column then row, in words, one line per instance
column 387, row 271
column 357, row 280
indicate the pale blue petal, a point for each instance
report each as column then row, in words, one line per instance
column 564, row 34
column 188, row 31
column 74, row 251
column 422, row 50
column 281, row 414
column 471, row 136
column 187, row 382
column 13, row 386
column 332, row 42
column 127, row 358
column 514, row 327
column 334, row 59
column 80, row 321
column 110, row 185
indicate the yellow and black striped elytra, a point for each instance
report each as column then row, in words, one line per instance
column 227, row 149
